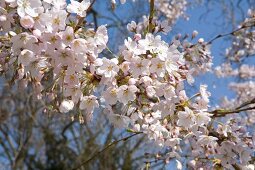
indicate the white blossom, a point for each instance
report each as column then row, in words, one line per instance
column 27, row 22
column 186, row 118
column 26, row 57
column 66, row 106
column 28, row 7
column 88, row 103
column 109, row 68
column 127, row 93
column 78, row 8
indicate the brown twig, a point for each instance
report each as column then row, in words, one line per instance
column 230, row 33
column 252, row 101
column 105, row 148
column 220, row 113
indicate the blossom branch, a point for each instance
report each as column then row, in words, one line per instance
column 105, row 148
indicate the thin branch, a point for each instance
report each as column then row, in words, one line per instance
column 7, row 151
column 246, row 103
column 66, row 128
column 94, row 13
column 105, row 148
column 92, row 3
column 230, row 33
column 220, row 113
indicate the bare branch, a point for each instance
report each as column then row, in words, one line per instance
column 105, row 148
column 230, row 33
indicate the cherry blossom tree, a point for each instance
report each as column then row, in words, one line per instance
column 52, row 49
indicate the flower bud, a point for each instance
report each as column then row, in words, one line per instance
column 178, row 36
column 3, row 18
column 137, row 37
column 200, row 40
column 66, row 106
column 194, row 34
column 131, row 81
column 37, row 33
column 27, row 22
column 149, row 56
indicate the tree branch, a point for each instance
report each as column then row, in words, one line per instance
column 221, row 112
column 105, row 148
column 151, row 16
column 230, row 33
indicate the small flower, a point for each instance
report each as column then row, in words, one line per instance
column 28, row 7
column 26, row 57
column 132, row 26
column 186, row 118
column 110, row 95
column 58, row 20
column 109, row 68
column 223, row 129
column 88, row 103
column 119, row 121
column 122, row 1
column 172, row 142
column 79, row 45
column 204, row 94
column 169, row 92
column 27, row 22
column 140, row 67
column 66, row 106
column 126, row 93
column 202, row 118
column 158, row 67
column 150, row 91
column 207, row 140
column 101, row 38
column 78, row 8
column 71, row 79
column 67, row 35
column 171, row 64
column 156, row 115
